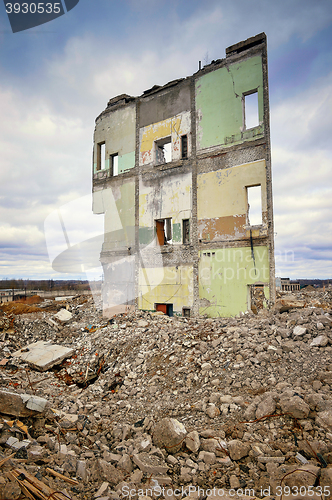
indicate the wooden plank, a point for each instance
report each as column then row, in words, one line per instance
column 30, row 487
column 61, row 476
column 4, row 460
column 46, row 490
column 42, row 487
column 24, row 489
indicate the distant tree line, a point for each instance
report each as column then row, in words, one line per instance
column 47, row 285
column 315, row 282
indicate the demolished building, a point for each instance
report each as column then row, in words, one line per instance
column 183, row 176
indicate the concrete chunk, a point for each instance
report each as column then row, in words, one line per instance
column 299, row 330
column 169, row 433
column 63, row 315
column 320, row 341
column 43, row 355
column 150, row 464
column 34, row 403
column 21, row 405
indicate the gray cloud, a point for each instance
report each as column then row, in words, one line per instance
column 47, row 121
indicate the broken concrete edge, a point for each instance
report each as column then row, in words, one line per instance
column 22, row 405
column 34, row 403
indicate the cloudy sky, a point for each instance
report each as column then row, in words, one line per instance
column 56, row 78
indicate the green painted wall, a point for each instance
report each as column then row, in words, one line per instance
column 177, row 233
column 219, row 103
column 146, row 235
column 126, row 162
column 117, row 205
column 224, row 276
column 118, row 130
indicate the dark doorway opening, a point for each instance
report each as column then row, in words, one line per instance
column 165, row 308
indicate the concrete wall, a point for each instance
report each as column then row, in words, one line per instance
column 170, row 101
column 228, row 257
column 117, row 130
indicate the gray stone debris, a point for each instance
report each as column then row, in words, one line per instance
column 146, row 400
column 169, row 433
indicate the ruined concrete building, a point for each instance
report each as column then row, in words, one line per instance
column 183, row 176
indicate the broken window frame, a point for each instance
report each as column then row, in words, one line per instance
column 164, row 231
column 185, row 231
column 160, row 150
column 101, row 155
column 249, row 112
column 184, row 147
column 114, row 165
column 256, row 212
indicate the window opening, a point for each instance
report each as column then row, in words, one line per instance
column 251, row 116
column 114, row 164
column 163, row 150
column 185, row 231
column 254, row 197
column 101, row 156
column 186, row 312
column 164, row 231
column 184, row 147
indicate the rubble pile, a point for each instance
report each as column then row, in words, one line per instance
column 107, row 409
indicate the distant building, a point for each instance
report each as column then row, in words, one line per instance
column 286, row 285
column 183, row 176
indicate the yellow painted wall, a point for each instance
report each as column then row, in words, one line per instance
column 169, row 285
column 223, row 193
column 172, row 127
column 222, row 203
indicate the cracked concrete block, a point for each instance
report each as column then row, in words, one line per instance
column 21, row 405
column 43, row 355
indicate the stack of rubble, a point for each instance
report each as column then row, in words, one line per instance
column 92, row 408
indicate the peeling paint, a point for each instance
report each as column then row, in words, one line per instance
column 165, row 198
column 173, row 127
column 222, row 228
